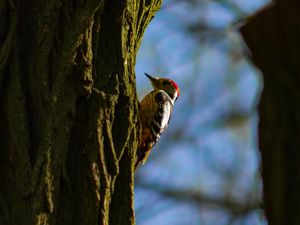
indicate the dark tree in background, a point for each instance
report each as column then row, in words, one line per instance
column 273, row 37
column 68, row 110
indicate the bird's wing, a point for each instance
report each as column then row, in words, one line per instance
column 155, row 113
column 163, row 113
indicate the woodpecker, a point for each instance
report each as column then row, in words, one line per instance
column 155, row 112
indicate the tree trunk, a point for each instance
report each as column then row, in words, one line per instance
column 273, row 36
column 69, row 122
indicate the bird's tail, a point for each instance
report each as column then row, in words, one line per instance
column 142, row 155
column 144, row 148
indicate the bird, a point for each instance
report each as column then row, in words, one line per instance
column 155, row 111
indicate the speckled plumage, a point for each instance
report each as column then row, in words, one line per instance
column 155, row 113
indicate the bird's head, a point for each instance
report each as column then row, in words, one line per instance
column 168, row 85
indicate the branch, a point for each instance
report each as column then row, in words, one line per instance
column 236, row 207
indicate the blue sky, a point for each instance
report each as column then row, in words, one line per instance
column 210, row 147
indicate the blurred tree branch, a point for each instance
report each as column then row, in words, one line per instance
column 273, row 37
column 236, row 207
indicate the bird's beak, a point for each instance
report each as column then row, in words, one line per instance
column 153, row 80
column 150, row 77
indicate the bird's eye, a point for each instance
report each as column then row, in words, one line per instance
column 165, row 82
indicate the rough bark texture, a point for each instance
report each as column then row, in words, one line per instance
column 68, row 110
column 273, row 36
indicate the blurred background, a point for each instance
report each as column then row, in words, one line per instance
column 205, row 170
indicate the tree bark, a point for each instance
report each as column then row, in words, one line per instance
column 69, row 123
column 273, row 37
